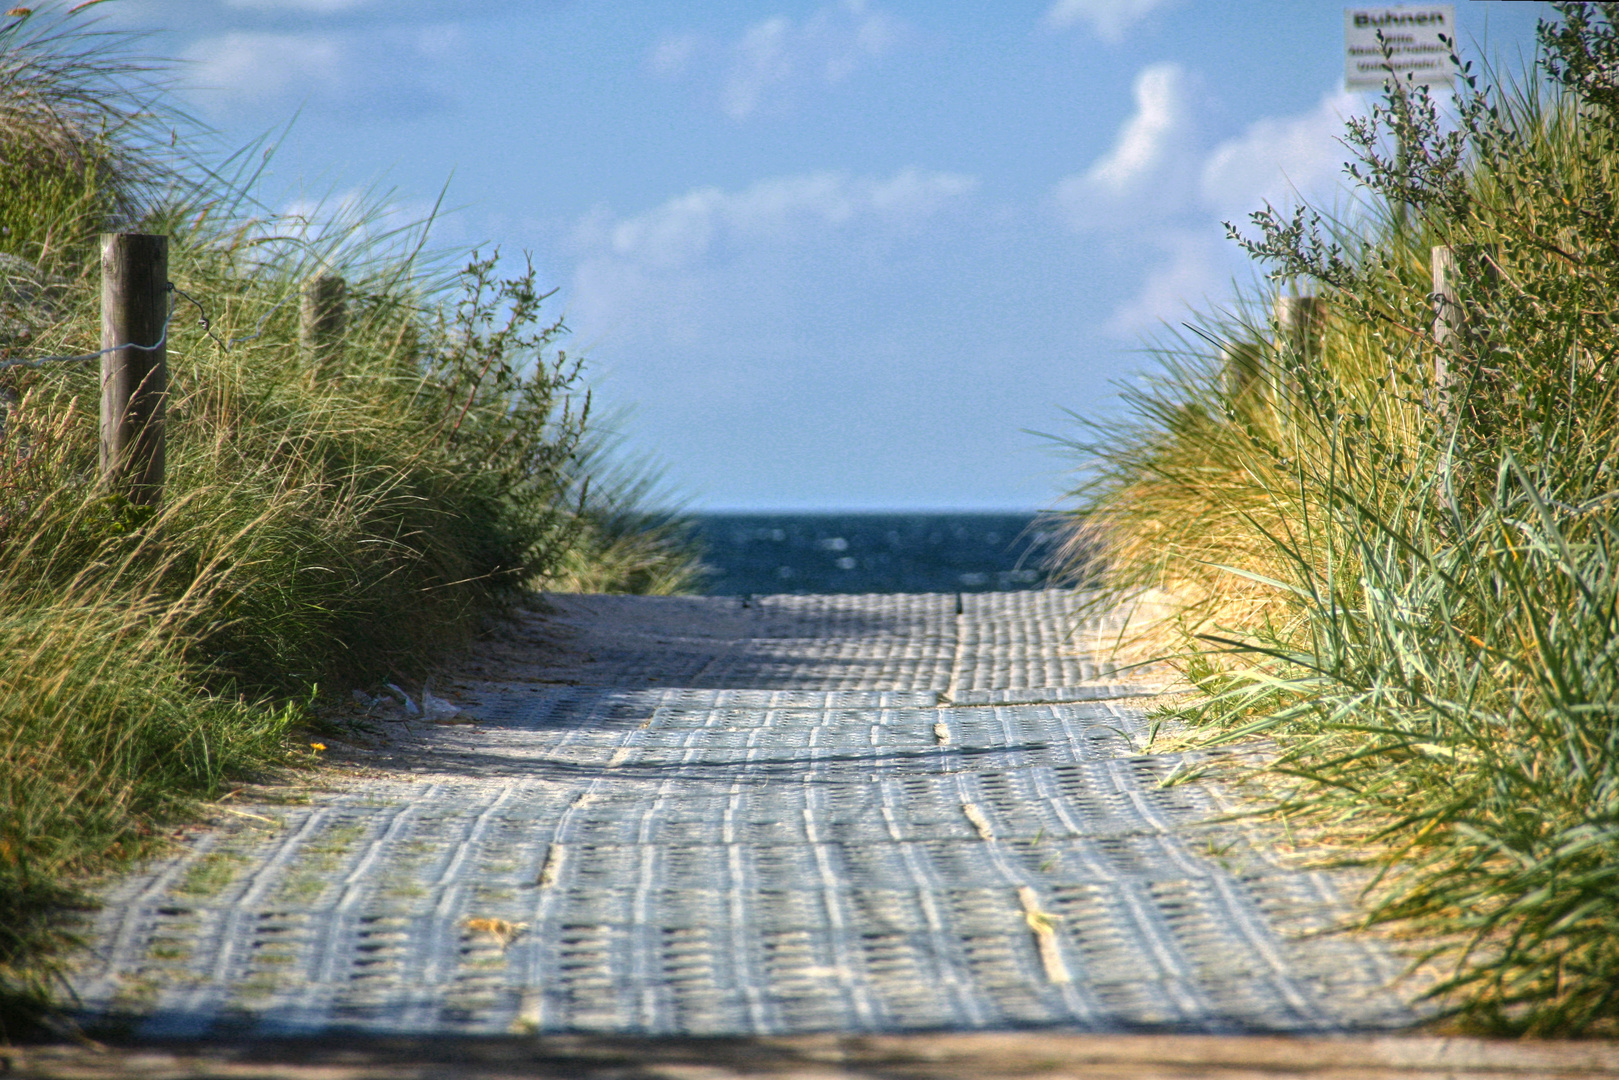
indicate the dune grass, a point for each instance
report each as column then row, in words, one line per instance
column 1392, row 552
column 322, row 526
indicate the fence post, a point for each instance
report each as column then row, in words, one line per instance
column 1447, row 319
column 1450, row 287
column 1299, row 320
column 1242, row 365
column 1449, row 314
column 134, row 381
column 322, row 317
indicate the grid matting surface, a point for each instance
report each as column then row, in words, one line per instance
column 682, row 860
column 972, row 643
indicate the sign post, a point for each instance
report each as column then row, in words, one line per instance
column 1412, row 36
column 1403, row 43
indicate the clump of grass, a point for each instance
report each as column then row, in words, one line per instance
column 79, row 143
column 1405, row 579
column 105, row 733
column 629, row 540
column 322, row 524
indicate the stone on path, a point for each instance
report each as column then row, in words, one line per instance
column 695, row 816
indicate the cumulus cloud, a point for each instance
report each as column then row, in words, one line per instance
column 1191, row 266
column 1147, row 140
column 253, row 65
column 374, row 75
column 764, row 59
column 1108, row 19
column 1147, row 171
column 1166, row 187
column 830, row 46
column 689, row 227
column 672, row 265
column 1161, row 164
column 775, row 57
column 1278, row 159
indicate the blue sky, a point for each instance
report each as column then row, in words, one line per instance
column 833, row 255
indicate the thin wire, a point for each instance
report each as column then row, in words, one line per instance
column 258, row 331
column 202, row 314
column 40, row 361
column 207, row 325
column 203, row 320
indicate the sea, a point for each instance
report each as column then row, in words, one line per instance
column 760, row 554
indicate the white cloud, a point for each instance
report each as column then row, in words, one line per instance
column 1165, row 188
column 1147, row 171
column 1145, row 141
column 1194, row 266
column 691, row 226
column 253, row 66
column 870, row 35
column 1278, row 159
column 775, row 56
column 365, row 219
column 368, row 76
column 1109, row 19
column 671, row 266
column 763, row 60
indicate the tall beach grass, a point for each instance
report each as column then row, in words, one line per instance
column 1392, row 551
column 323, row 525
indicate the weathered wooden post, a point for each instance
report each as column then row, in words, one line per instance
column 1299, row 321
column 1449, row 312
column 1451, row 289
column 322, row 317
column 1447, row 303
column 134, row 373
column 1242, row 365
column 1447, row 319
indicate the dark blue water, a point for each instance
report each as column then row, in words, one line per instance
column 860, row 553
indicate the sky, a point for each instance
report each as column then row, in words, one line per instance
column 820, row 254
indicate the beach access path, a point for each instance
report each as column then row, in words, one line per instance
column 766, row 819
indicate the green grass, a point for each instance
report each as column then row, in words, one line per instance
column 1411, row 588
column 319, row 528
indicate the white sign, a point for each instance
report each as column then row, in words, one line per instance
column 1412, row 36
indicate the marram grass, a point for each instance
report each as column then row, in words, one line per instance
column 320, row 528
column 1408, row 582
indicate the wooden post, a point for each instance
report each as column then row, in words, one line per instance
column 1447, row 304
column 1449, row 311
column 134, row 381
column 1447, row 319
column 1243, row 370
column 322, row 317
column 1299, row 320
column 1451, row 291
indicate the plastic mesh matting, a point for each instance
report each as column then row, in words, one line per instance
column 764, row 860
column 950, row 644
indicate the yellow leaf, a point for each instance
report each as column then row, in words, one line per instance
column 499, row 929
